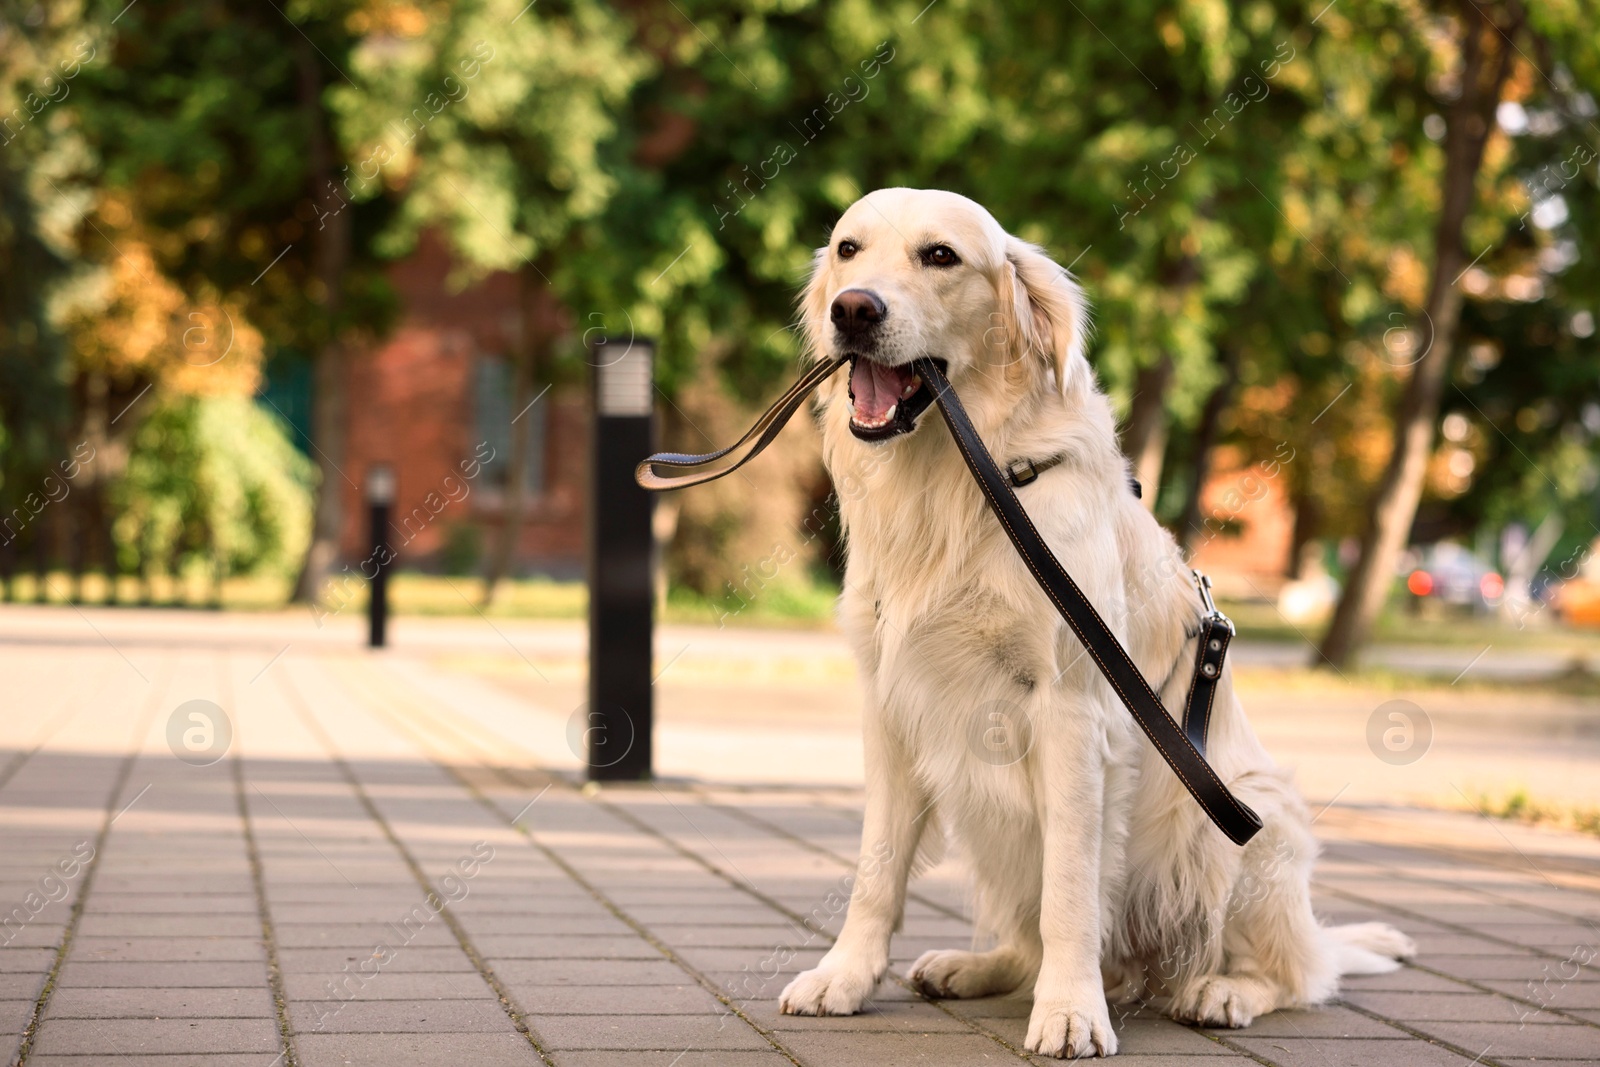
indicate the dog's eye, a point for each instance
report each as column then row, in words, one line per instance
column 848, row 249
column 940, row 256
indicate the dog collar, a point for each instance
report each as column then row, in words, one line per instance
column 1021, row 472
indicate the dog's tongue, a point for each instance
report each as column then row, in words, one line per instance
column 876, row 389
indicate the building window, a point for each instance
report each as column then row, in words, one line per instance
column 493, row 415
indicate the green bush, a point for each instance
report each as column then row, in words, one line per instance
column 213, row 479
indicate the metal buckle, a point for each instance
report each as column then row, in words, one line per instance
column 1022, row 472
column 1202, row 582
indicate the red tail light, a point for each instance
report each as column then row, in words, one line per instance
column 1420, row 583
column 1491, row 585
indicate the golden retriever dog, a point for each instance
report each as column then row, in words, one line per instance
column 1095, row 873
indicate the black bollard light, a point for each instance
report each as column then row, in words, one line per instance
column 618, row 723
column 380, row 498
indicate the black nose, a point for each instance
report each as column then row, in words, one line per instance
column 856, row 311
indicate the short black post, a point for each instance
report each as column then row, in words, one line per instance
column 380, row 497
column 620, row 715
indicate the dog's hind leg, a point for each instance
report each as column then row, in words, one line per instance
column 1007, row 865
column 897, row 810
column 1274, row 953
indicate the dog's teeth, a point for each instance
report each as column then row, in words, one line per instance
column 887, row 415
column 910, row 388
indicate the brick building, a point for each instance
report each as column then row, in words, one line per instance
column 1247, row 534
column 436, row 394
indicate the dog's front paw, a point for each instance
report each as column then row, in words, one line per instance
column 1069, row 1027
column 829, row 989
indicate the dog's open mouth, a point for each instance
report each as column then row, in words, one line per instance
column 885, row 401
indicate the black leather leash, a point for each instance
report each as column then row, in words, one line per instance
column 1181, row 748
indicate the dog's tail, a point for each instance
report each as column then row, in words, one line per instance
column 1367, row 948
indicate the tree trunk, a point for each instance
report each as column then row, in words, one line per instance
column 1307, row 525
column 331, row 254
column 1517, row 603
column 1144, row 439
column 528, row 366
column 1205, row 439
column 1393, row 506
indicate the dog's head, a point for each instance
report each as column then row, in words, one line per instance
column 914, row 272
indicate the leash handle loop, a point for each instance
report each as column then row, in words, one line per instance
column 759, row 436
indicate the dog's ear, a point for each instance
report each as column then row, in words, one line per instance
column 1048, row 312
column 814, row 304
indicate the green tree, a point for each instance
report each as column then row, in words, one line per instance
column 43, row 50
column 494, row 123
column 213, row 119
column 1471, row 56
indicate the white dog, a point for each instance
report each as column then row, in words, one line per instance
column 1095, row 871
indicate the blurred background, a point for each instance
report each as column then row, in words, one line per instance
column 1342, row 258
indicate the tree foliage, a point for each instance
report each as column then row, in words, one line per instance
column 1249, row 189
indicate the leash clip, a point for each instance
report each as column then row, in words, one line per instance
column 1213, row 614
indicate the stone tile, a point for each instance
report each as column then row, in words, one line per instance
column 1405, row 980
column 1466, row 1006
column 21, row 986
column 34, row 935
column 482, row 1015
column 95, row 974
column 1500, row 966
column 791, row 958
column 404, row 958
column 886, row 1049
column 555, row 947
column 171, row 904
column 433, row 934
column 664, row 1032
column 416, row 1050
column 687, row 999
column 687, row 1058
column 26, row 960
column 1549, row 1039
column 590, row 972
column 764, row 936
column 386, row 985
column 132, row 1037
column 14, row 1016
column 1584, row 995
column 169, row 949
column 1325, row 1022
column 203, row 1059
column 1358, row 1052
column 98, row 924
column 76, row 1002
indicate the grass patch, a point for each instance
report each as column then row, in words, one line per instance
column 1518, row 806
column 801, row 602
column 1260, row 621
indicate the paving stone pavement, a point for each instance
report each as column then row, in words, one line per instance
column 382, row 869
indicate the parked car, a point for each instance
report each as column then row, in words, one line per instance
column 1451, row 575
column 1578, row 601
